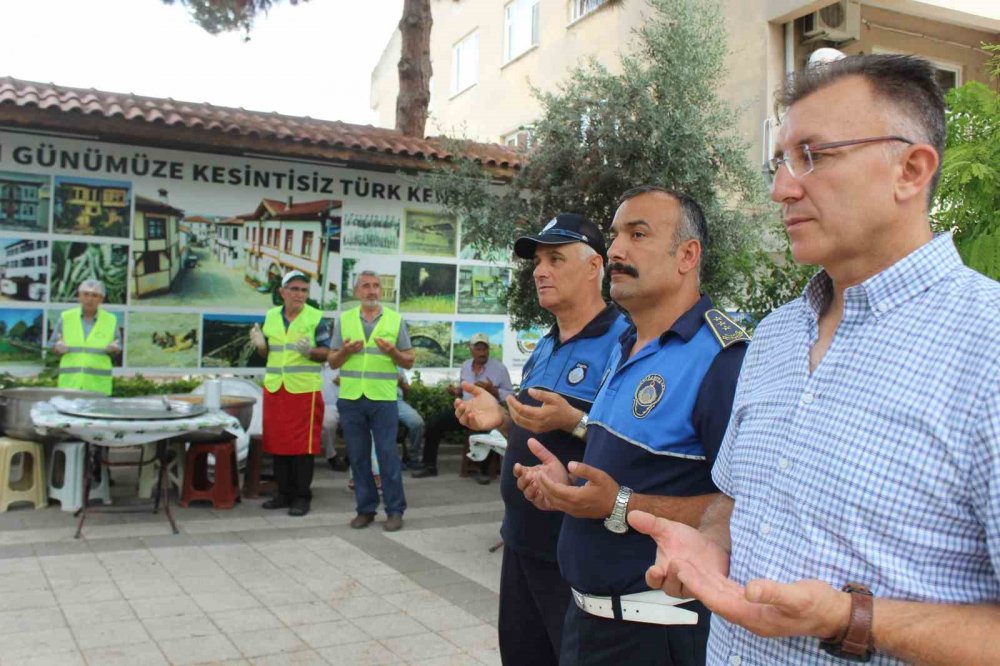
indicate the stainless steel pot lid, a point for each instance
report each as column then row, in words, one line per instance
column 130, row 409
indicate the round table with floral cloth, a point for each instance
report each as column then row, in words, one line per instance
column 111, row 433
column 130, row 432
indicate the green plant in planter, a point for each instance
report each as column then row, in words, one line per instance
column 429, row 400
column 129, row 387
column 123, row 387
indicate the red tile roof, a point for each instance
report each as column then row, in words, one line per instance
column 240, row 123
column 280, row 210
column 148, row 205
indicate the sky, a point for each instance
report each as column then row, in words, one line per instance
column 314, row 59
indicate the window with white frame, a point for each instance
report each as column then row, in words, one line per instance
column 520, row 28
column 580, row 8
column 465, row 64
column 519, row 139
column 948, row 74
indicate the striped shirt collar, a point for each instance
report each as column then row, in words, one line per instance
column 878, row 295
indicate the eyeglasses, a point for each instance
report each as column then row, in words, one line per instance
column 800, row 159
column 300, row 290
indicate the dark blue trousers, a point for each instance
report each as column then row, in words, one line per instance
column 533, row 601
column 589, row 640
column 362, row 421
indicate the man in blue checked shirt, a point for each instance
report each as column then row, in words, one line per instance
column 860, row 518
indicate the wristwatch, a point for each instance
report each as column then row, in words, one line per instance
column 616, row 521
column 580, row 430
column 855, row 642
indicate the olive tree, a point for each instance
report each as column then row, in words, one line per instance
column 660, row 121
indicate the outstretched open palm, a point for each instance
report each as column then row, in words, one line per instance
column 678, row 542
column 528, row 477
column 481, row 412
column 688, row 564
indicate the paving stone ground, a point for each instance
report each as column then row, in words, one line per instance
column 250, row 586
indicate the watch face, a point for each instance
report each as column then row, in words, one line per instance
column 616, row 526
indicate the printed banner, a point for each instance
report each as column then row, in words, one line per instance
column 191, row 247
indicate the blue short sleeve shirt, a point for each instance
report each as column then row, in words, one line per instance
column 574, row 370
column 655, row 427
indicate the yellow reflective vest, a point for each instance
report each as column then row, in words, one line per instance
column 285, row 365
column 371, row 372
column 87, row 365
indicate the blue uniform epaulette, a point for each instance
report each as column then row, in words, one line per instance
column 725, row 330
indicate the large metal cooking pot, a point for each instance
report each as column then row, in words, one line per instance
column 16, row 404
column 235, row 405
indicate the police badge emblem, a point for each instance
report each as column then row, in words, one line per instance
column 648, row 395
column 577, row 374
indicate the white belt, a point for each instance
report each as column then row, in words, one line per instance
column 653, row 607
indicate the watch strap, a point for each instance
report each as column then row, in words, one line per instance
column 855, row 642
column 580, row 430
column 619, row 512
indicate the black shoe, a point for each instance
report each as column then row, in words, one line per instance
column 483, row 479
column 393, row 523
column 276, row 502
column 362, row 520
column 338, row 464
column 425, row 472
column 299, row 508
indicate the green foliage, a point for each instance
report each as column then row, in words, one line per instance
column 215, row 16
column 429, row 400
column 968, row 196
column 43, row 380
column 137, row 385
column 993, row 64
column 658, row 122
column 769, row 283
column 124, row 387
column 982, row 253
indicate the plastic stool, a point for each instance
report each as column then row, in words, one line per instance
column 29, row 485
column 253, row 486
column 224, row 492
column 149, row 472
column 64, row 475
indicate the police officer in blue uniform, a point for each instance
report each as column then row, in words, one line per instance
column 654, row 430
column 559, row 383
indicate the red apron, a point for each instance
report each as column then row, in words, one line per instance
column 292, row 422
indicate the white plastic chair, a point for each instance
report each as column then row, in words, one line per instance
column 481, row 444
column 245, row 389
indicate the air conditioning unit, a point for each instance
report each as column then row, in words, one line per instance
column 839, row 22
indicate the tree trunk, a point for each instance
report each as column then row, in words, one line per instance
column 414, row 67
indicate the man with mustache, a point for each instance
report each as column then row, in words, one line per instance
column 654, row 430
column 295, row 342
column 558, row 387
column 860, row 515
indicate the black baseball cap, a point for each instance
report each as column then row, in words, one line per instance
column 560, row 230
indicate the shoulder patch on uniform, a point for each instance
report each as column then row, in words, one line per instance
column 725, row 330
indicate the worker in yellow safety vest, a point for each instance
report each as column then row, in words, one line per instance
column 295, row 341
column 86, row 339
column 368, row 343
